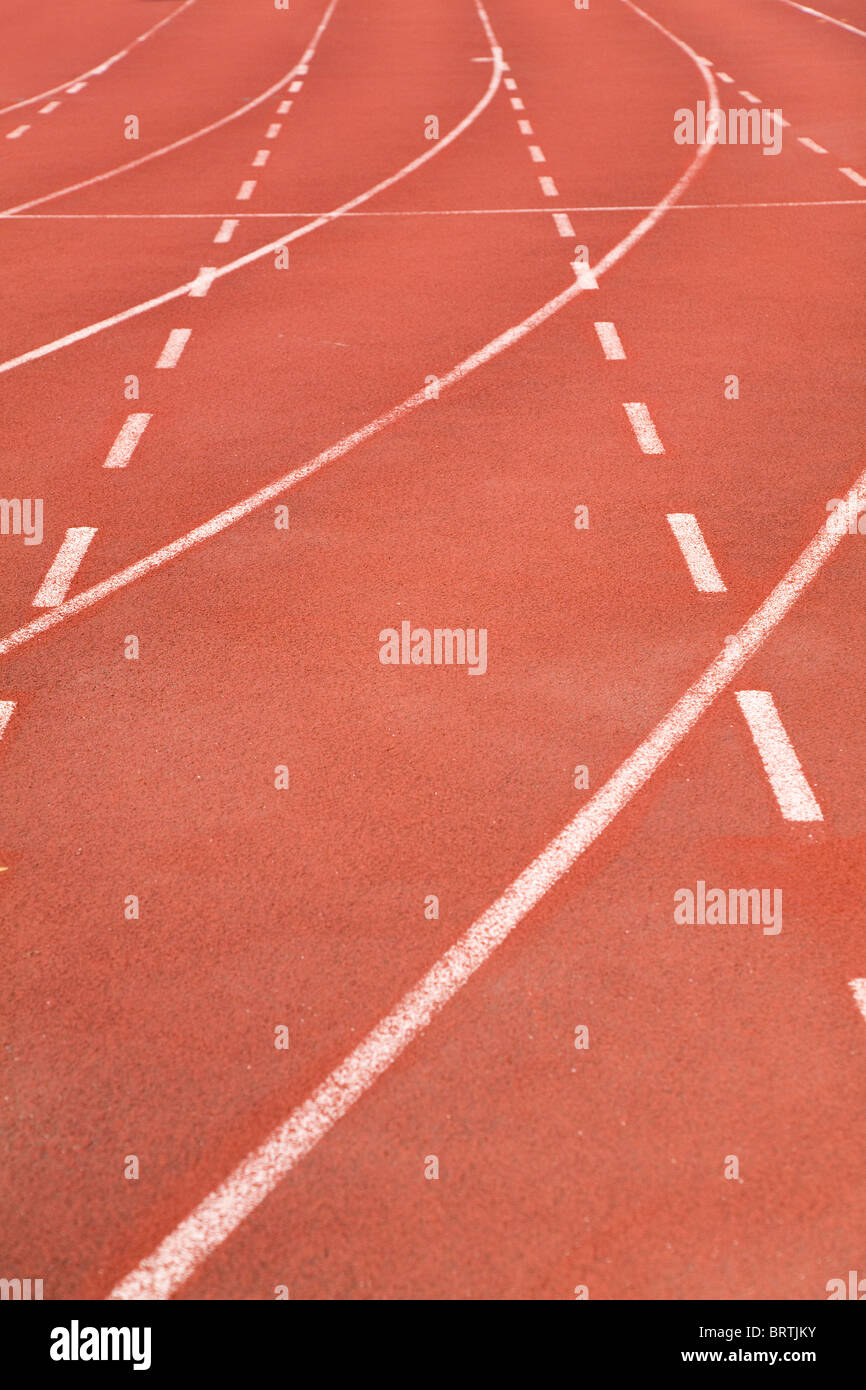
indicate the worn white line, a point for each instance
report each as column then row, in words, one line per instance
column 858, row 988
column 781, row 764
column 610, row 342
column 7, row 709
column 261, row 158
column 246, row 190
column 563, row 224
column 125, row 444
column 696, row 554
column 64, row 567
column 273, row 130
column 750, row 96
column 826, row 18
column 17, row 132
column 811, row 144
column 645, row 430
column 853, row 176
column 174, row 346
column 202, row 282
column 283, row 108
column 226, row 231
column 536, row 154
column 548, row 187
column 525, row 127
column 48, row 108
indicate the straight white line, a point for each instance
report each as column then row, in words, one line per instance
column 273, row 130
column 7, row 709
column 563, row 224
column 536, row 155
column 309, row 55
column 174, row 346
column 826, row 18
column 696, row 553
column 201, row 284
column 548, row 187
column 261, row 158
column 859, row 990
column 295, row 86
column 853, row 176
column 246, row 190
column 517, row 104
column 781, row 764
column 723, row 77
column 811, row 144
column 750, row 96
column 17, row 132
column 610, row 341
column 283, row 108
column 226, row 230
column 76, row 87
column 525, row 127
column 645, row 430
column 124, row 445
column 64, row 567
column 48, row 108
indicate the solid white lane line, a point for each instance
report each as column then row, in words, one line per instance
column 750, row 96
column 723, row 77
column 273, row 130
column 261, row 158
column 17, row 132
column 826, row 18
column 548, row 187
column 225, row 231
column 536, row 155
column 309, row 55
column 645, row 430
column 858, row 987
column 517, row 104
column 811, row 144
column 215, row 1218
column 781, row 764
column 702, row 567
column 563, row 224
column 283, row 108
column 246, row 190
column 202, row 282
column 525, row 127
column 124, row 445
column 64, row 567
column 610, row 342
column 7, row 709
column 48, row 108
column 853, row 176
column 174, row 346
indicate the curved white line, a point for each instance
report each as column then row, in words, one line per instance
column 819, row 14
column 101, row 67
column 184, row 139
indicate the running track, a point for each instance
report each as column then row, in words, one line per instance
column 601, row 1168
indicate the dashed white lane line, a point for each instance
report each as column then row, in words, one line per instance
column 826, row 18
column 723, row 77
column 525, row 127
column 174, row 346
column 295, row 86
column 811, row 144
column 125, row 444
column 226, row 231
column 64, row 567
column 202, row 282
column 517, row 104
column 273, row 130
column 781, row 764
column 245, row 192
column 610, row 342
column 750, row 96
column 548, row 187
column 642, row 424
column 17, row 132
column 563, row 224
column 853, row 176
column 48, row 108
column 76, row 87
column 7, row 709
column 303, row 69
column 261, row 158
column 779, row 120
column 858, row 988
column 284, row 108
column 536, row 154
column 511, row 84
column 696, row 553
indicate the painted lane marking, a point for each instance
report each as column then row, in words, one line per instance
column 125, row 444
column 273, row 130
column 750, row 96
column 245, row 192
column 645, row 430
column 563, row 224
column 536, row 155
column 226, row 231
column 610, row 342
column 517, row 104
column 525, row 127
column 17, row 132
column 283, row 108
column 174, row 346
column 295, row 86
column 696, row 554
column 261, row 158
column 858, row 987
column 7, row 709
column 781, row 764
column 202, row 282
column 811, row 144
column 826, row 18
column 723, row 77
column 548, row 187
column 853, row 176
column 64, row 567
column 76, row 87
column 48, row 108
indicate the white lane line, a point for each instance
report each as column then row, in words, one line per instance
column 610, row 342
column 781, row 764
column 174, row 346
column 283, row 108
column 202, row 282
column 779, row 120
column 273, row 130
column 215, row 1218
column 7, row 709
column 563, row 224
column 645, row 430
column 826, row 18
column 175, row 144
column 261, row 158
column 303, row 69
column 548, row 187
column 536, row 154
column 17, row 132
column 124, row 445
column 853, row 176
column 811, row 144
column 48, row 108
column 226, row 231
column 245, row 191
column 585, row 275
column 858, row 987
column 64, row 567
column 517, row 104
column 525, row 127
column 696, row 553
column 723, row 77
column 76, row 87
column 103, row 67
column 309, row 55
column 511, row 84
column 295, row 86
column 750, row 96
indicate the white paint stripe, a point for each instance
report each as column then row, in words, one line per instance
column 645, row 430
column 64, row 567
column 853, row 176
column 309, row 55
column 781, row 764
column 517, row 104
column 511, row 84
column 585, row 275
column 246, row 190
column 525, row 127
column 224, row 1209
column 303, row 69
column 295, row 86
column 48, row 108
column 827, row 18
column 610, row 342
column 696, row 553
column 124, row 445
column 174, row 346
column 17, row 132
column 261, row 158
column 283, row 108
column 779, row 120
column 723, row 77
column 103, row 67
column 859, row 990
column 201, row 284
column 76, row 87
column 750, row 96
column 536, row 155
column 811, row 144
column 548, row 187
column 563, row 224
column 226, row 231
column 273, row 130
column 7, row 709
column 175, row 144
